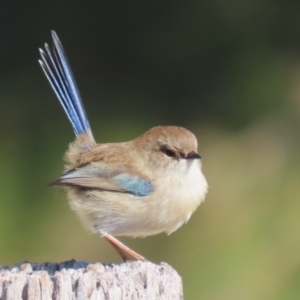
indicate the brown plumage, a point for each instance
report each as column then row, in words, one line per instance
column 149, row 185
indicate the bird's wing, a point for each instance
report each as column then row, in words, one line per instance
column 103, row 177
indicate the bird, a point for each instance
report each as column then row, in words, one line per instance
column 146, row 186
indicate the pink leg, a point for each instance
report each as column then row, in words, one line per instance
column 122, row 249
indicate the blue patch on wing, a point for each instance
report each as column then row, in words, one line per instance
column 134, row 184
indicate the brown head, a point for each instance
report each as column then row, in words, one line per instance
column 167, row 146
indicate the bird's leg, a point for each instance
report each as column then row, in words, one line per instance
column 122, row 249
column 119, row 250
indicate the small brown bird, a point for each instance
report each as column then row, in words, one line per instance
column 143, row 187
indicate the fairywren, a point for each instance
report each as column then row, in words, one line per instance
column 146, row 186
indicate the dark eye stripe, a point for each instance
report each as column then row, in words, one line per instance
column 168, row 152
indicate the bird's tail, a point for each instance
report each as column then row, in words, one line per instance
column 58, row 72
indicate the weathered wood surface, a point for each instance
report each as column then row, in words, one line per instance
column 74, row 280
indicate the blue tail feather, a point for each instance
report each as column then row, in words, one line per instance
column 58, row 72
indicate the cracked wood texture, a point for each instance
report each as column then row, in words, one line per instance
column 74, row 280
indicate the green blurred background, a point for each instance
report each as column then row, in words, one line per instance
column 227, row 70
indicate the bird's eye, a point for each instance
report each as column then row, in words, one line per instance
column 168, row 152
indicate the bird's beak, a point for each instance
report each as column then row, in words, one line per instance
column 193, row 155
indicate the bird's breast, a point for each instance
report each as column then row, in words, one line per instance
column 175, row 197
column 180, row 193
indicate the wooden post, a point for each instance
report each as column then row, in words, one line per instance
column 73, row 280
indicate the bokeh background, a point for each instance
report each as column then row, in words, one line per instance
column 227, row 70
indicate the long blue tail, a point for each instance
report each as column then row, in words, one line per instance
column 58, row 72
